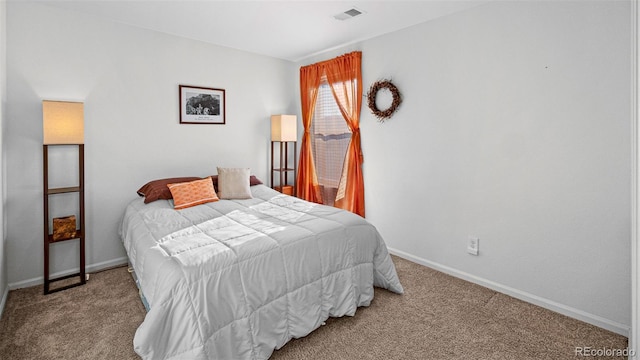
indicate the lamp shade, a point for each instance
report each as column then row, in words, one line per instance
column 283, row 128
column 62, row 122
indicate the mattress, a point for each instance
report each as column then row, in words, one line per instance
column 237, row 279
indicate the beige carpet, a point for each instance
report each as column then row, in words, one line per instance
column 438, row 317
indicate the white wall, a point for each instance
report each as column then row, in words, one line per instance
column 128, row 80
column 634, row 336
column 4, row 290
column 515, row 128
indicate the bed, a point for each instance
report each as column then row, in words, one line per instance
column 238, row 278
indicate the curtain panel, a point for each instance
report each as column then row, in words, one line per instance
column 344, row 74
column 307, row 180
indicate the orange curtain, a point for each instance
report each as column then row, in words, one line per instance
column 307, row 180
column 344, row 73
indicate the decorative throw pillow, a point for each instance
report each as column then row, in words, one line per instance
column 233, row 183
column 158, row 190
column 192, row 193
column 253, row 180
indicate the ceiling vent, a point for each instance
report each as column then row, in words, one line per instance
column 351, row 13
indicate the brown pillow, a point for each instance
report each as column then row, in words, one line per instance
column 157, row 189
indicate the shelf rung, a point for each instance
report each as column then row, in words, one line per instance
column 63, row 190
column 72, row 285
column 64, row 277
column 77, row 235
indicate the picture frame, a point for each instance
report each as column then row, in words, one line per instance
column 202, row 105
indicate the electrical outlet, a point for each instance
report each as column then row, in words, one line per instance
column 473, row 246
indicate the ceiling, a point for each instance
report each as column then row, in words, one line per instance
column 290, row 30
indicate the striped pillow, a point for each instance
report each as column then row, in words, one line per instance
column 192, row 193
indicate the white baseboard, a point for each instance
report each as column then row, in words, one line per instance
column 5, row 294
column 521, row 295
column 89, row 269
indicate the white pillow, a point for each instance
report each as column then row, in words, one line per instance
column 233, row 183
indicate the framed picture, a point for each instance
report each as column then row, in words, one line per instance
column 201, row 105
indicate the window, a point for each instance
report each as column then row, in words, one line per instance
column 330, row 137
column 330, row 170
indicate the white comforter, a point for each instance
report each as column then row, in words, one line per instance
column 236, row 279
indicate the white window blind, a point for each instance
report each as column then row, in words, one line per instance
column 330, row 138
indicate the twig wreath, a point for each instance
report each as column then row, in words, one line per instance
column 383, row 115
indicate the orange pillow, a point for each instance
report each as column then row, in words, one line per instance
column 192, row 193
